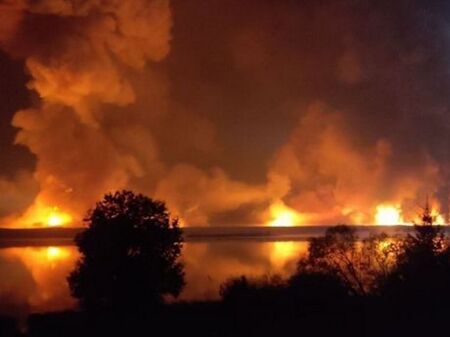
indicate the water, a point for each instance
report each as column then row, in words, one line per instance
column 34, row 277
column 34, row 268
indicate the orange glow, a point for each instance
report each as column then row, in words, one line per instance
column 438, row 219
column 56, row 218
column 40, row 215
column 48, row 268
column 284, row 251
column 283, row 216
column 57, row 253
column 256, row 260
column 388, row 215
column 385, row 244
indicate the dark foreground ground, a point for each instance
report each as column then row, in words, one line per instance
column 353, row 318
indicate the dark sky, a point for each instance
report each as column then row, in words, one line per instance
column 331, row 107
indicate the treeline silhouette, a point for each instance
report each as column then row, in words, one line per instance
column 344, row 286
column 378, row 286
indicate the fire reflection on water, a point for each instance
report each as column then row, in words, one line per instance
column 45, row 270
column 208, row 265
column 36, row 276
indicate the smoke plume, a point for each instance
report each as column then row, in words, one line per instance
column 226, row 108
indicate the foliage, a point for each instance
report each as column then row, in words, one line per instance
column 243, row 289
column 311, row 287
column 413, row 267
column 129, row 255
column 422, row 271
column 358, row 264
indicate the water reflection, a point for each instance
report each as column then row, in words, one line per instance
column 44, row 288
column 34, row 278
column 208, row 265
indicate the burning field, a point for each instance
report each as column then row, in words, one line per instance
column 279, row 113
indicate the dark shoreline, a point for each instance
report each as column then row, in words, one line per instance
column 65, row 236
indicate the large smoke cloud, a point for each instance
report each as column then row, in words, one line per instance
column 333, row 180
column 78, row 54
column 331, row 107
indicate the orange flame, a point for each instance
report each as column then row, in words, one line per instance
column 438, row 219
column 388, row 215
column 284, row 216
column 40, row 215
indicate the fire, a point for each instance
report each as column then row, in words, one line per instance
column 40, row 215
column 388, row 215
column 283, row 216
column 56, row 218
column 438, row 219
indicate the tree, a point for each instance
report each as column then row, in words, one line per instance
column 129, row 255
column 356, row 264
column 422, row 272
column 244, row 291
column 310, row 287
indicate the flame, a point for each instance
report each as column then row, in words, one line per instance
column 40, row 215
column 283, row 216
column 56, row 218
column 438, row 219
column 388, row 215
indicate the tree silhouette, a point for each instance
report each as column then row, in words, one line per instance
column 335, row 254
column 422, row 271
column 242, row 290
column 129, row 255
column 358, row 264
column 311, row 287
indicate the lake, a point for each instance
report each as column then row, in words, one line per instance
column 34, row 278
column 33, row 271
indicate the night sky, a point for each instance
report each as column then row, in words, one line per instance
column 223, row 108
